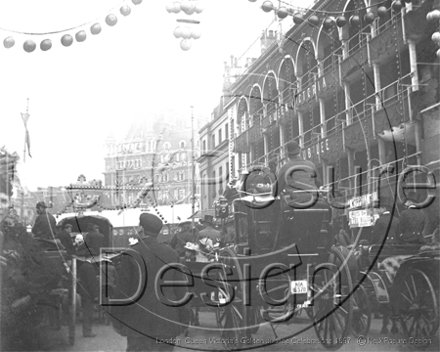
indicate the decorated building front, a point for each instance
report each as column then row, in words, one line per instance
column 355, row 84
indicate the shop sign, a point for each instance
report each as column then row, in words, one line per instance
column 362, row 201
column 311, row 91
column 360, row 218
column 316, row 150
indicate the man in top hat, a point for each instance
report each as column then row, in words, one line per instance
column 298, row 176
column 94, row 239
column 66, row 239
column 184, row 235
column 152, row 316
column 45, row 223
column 381, row 225
column 209, row 230
column 412, row 222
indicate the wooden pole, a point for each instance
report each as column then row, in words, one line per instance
column 193, row 171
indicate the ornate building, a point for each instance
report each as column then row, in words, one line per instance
column 355, row 83
column 158, row 151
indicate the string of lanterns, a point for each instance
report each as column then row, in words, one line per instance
column 330, row 18
column 188, row 29
column 67, row 40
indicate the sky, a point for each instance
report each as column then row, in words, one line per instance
column 80, row 94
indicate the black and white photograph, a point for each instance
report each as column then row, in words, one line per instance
column 219, row 175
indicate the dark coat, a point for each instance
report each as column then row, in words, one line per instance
column 67, row 242
column 380, row 228
column 210, row 232
column 412, row 222
column 45, row 226
column 94, row 242
column 88, row 282
column 298, row 180
column 149, row 316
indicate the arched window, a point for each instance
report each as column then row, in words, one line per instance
column 182, row 144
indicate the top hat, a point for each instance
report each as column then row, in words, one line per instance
column 208, row 219
column 293, row 148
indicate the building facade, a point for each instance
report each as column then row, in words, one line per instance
column 355, row 83
column 158, row 154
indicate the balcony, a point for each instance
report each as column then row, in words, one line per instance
column 383, row 45
column 352, row 64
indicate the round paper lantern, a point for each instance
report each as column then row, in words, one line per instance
column 178, row 32
column 433, row 15
column 328, row 23
column 185, row 5
column 438, row 53
column 282, row 12
column 136, row 2
column 369, row 17
column 95, row 29
column 396, row 5
column 9, row 42
column 313, row 20
column 46, row 44
column 169, row 7
column 67, row 40
column 408, row 1
column 196, row 33
column 341, row 21
column 29, row 46
column 185, row 44
column 111, row 20
column 191, row 10
column 436, row 37
column 81, row 36
column 126, row 10
column 199, row 7
column 298, row 18
column 267, row 6
column 355, row 21
column 382, row 11
column 185, row 32
column 252, row 0
column 177, row 8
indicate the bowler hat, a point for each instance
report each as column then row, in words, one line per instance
column 67, row 226
column 293, row 148
column 207, row 218
column 150, row 223
column 183, row 223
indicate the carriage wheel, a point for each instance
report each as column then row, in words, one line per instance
column 361, row 312
column 332, row 303
column 418, row 307
column 232, row 317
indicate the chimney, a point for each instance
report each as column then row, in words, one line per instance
column 267, row 38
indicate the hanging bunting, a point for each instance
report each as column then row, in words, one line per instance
column 29, row 45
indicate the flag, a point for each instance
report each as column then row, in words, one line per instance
column 25, row 118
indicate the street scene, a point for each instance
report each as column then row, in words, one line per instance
column 230, row 175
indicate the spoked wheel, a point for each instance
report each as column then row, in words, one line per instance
column 231, row 314
column 361, row 312
column 332, row 304
column 418, row 307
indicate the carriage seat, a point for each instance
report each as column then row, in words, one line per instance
column 393, row 250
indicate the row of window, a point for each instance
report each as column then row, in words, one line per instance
column 217, row 138
column 165, row 176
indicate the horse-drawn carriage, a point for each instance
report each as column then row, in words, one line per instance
column 280, row 261
column 401, row 282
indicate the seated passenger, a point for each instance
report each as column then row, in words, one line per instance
column 299, row 178
column 381, row 226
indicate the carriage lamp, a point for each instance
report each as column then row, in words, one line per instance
column 222, row 208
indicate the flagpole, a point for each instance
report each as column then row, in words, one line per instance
column 24, row 159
